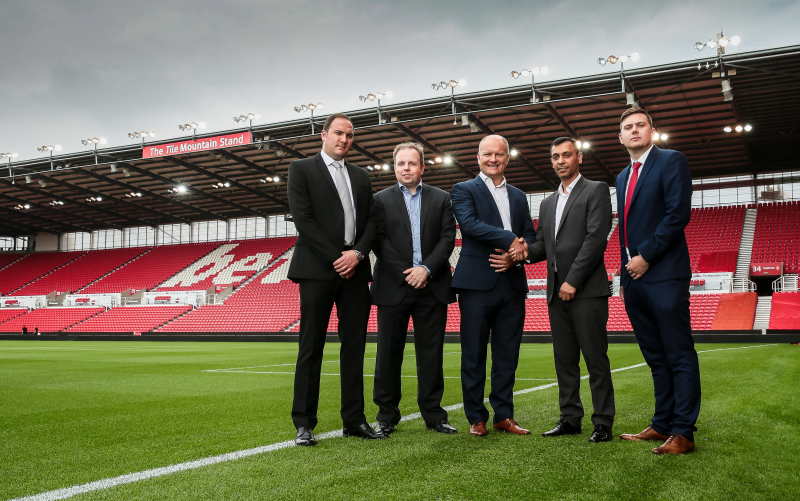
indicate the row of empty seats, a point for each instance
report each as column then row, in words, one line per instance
column 777, row 235
column 49, row 319
column 82, row 271
column 33, row 267
column 715, row 231
column 131, row 319
column 151, row 268
column 8, row 258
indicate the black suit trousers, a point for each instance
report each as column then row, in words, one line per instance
column 430, row 320
column 501, row 313
column 317, row 298
column 579, row 326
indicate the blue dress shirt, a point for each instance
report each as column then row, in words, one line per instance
column 413, row 206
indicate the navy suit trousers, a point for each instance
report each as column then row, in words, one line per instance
column 659, row 314
column 501, row 313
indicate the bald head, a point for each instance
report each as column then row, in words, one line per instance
column 493, row 157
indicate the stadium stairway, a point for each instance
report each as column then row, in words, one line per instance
column 150, row 249
column 736, row 311
column 746, row 244
column 763, row 311
column 7, row 314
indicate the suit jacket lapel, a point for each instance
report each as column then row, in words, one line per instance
column 482, row 188
column 325, row 173
column 550, row 219
column 423, row 210
column 646, row 168
column 397, row 196
column 576, row 190
column 511, row 203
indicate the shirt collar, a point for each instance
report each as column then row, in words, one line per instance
column 329, row 159
column 643, row 158
column 485, row 178
column 406, row 190
column 569, row 188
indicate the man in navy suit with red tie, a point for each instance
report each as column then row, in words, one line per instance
column 654, row 196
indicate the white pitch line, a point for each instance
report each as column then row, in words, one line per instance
column 108, row 483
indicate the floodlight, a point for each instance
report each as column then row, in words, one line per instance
column 723, row 41
column 635, row 56
column 438, row 160
column 473, row 127
column 656, row 136
column 462, row 82
column 748, row 128
column 612, row 59
column 739, row 128
column 385, row 166
column 623, row 58
column 586, row 146
column 514, row 152
column 525, row 73
column 181, row 189
column 735, row 40
column 430, row 162
column 42, row 183
column 377, row 167
column 276, row 179
column 448, row 160
column 545, row 70
column 663, row 137
column 515, row 74
column 727, row 129
column 578, row 144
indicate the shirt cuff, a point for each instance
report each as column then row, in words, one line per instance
column 426, row 269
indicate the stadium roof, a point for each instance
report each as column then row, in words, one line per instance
column 685, row 99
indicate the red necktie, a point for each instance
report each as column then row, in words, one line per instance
column 629, row 196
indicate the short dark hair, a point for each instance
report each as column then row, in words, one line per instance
column 331, row 118
column 564, row 139
column 633, row 111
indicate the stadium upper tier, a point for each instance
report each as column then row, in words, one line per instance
column 33, row 267
column 82, row 271
column 777, row 237
column 152, row 268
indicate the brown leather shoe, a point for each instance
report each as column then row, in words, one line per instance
column 675, row 444
column 648, row 434
column 478, row 430
column 511, row 426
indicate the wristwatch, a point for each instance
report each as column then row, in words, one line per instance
column 359, row 255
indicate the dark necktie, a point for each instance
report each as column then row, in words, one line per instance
column 629, row 196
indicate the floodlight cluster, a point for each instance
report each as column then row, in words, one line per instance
column 623, row 58
column 738, row 128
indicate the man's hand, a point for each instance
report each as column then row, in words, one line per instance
column 567, row 292
column 519, row 249
column 350, row 275
column 637, row 267
column 502, row 261
column 346, row 264
column 417, row 277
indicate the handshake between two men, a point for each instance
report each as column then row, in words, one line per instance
column 518, row 253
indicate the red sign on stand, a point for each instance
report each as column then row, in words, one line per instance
column 199, row 144
column 766, row 269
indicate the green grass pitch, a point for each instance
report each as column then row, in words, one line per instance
column 78, row 412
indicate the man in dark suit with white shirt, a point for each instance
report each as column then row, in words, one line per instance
column 416, row 234
column 574, row 223
column 496, row 228
column 331, row 204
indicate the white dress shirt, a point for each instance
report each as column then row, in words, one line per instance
column 562, row 200
column 500, row 195
column 329, row 162
column 642, row 159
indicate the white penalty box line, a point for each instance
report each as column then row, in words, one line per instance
column 108, row 483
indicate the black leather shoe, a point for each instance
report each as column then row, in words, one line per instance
column 385, row 427
column 305, row 437
column 601, row 433
column 443, row 427
column 562, row 428
column 364, row 431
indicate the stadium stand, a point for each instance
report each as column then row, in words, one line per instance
column 703, row 308
column 6, row 259
column 151, row 268
column 7, row 314
column 713, row 235
column 269, row 303
column 231, row 263
column 736, row 311
column 131, row 319
column 537, row 317
column 785, row 312
column 612, row 255
column 50, row 319
column 84, row 270
column 617, row 316
column 33, row 267
column 777, row 235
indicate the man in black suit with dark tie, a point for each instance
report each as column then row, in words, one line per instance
column 574, row 223
column 416, row 234
column 331, row 204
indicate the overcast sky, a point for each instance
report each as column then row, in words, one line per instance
column 76, row 69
